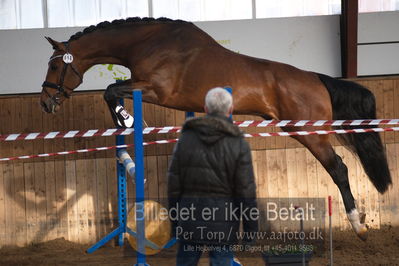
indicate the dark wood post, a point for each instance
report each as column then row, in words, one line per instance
column 349, row 20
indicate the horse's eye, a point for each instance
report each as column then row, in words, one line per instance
column 53, row 67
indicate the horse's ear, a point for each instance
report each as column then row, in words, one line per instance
column 56, row 45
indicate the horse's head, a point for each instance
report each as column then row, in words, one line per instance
column 62, row 77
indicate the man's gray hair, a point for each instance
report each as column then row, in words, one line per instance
column 218, row 101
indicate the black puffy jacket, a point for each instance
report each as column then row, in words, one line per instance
column 211, row 168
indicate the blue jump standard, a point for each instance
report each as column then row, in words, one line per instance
column 230, row 90
column 139, row 157
column 122, row 195
column 190, row 114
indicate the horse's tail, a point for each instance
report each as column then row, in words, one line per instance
column 353, row 101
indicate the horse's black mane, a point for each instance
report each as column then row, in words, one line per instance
column 117, row 22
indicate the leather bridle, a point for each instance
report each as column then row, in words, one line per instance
column 67, row 58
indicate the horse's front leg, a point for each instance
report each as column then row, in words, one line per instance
column 119, row 90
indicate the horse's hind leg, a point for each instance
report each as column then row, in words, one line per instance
column 119, row 90
column 321, row 148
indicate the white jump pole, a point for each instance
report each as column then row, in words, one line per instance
column 127, row 161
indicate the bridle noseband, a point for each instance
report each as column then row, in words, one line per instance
column 67, row 58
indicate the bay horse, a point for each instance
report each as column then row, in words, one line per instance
column 175, row 63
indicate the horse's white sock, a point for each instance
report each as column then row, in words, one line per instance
column 354, row 219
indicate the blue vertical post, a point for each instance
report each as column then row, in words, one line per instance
column 230, row 90
column 122, row 201
column 121, row 173
column 139, row 158
column 233, row 262
column 190, row 114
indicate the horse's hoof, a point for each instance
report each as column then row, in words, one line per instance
column 362, row 233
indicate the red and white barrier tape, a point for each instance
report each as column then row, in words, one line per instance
column 68, row 134
column 317, row 123
column 86, row 133
column 172, row 129
column 322, row 132
column 271, row 134
column 85, row 150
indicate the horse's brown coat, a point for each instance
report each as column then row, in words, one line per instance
column 175, row 63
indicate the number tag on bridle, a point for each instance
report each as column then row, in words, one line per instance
column 67, row 58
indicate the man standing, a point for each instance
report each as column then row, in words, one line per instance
column 210, row 182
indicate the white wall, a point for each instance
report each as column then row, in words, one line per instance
column 310, row 43
column 378, row 59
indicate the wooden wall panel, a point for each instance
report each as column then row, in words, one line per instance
column 396, row 105
column 393, row 192
column 395, row 189
column 71, row 195
column 3, row 208
column 162, row 164
column 92, row 215
column 75, row 196
column 19, row 204
column 8, row 174
column 102, row 196
column 82, row 197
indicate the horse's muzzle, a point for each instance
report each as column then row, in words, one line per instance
column 44, row 107
column 49, row 106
